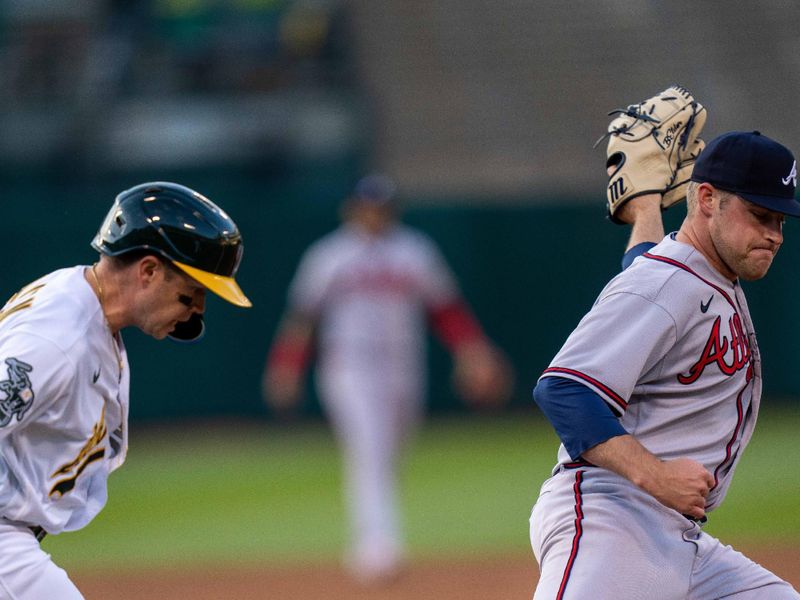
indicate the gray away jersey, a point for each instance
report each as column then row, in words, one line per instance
column 670, row 346
column 371, row 293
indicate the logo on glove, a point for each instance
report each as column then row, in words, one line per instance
column 617, row 189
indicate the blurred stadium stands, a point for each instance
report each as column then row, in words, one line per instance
column 499, row 99
column 161, row 84
column 490, row 101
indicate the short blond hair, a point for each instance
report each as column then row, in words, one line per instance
column 691, row 197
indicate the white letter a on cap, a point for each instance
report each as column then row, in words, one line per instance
column 792, row 176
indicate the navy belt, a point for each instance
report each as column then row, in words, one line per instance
column 700, row 521
column 38, row 532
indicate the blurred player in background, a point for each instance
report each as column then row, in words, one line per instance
column 64, row 372
column 362, row 296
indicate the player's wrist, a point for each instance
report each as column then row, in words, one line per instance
column 624, row 455
column 647, row 478
column 644, row 208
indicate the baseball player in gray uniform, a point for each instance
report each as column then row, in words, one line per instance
column 64, row 370
column 368, row 290
column 655, row 395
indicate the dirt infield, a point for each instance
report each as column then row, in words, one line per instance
column 496, row 579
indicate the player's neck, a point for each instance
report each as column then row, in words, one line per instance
column 103, row 284
column 700, row 239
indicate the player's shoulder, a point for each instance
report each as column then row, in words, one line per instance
column 648, row 276
column 332, row 238
column 326, row 248
column 57, row 307
column 413, row 240
column 667, row 273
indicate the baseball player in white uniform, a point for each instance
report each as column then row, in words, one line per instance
column 656, row 393
column 367, row 291
column 64, row 371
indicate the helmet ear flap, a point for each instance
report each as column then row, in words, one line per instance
column 192, row 330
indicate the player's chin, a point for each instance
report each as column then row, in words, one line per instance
column 161, row 332
column 756, row 267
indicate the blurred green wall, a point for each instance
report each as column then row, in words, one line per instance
column 530, row 272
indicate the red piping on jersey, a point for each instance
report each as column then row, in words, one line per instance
column 680, row 265
column 590, row 380
column 739, row 408
column 578, row 534
column 739, row 427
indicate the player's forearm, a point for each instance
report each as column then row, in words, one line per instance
column 625, row 456
column 589, row 430
column 282, row 378
column 681, row 484
column 644, row 214
column 456, row 326
column 292, row 346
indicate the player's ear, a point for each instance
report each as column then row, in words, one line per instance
column 705, row 198
column 147, row 268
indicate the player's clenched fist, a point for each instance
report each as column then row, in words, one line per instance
column 682, row 484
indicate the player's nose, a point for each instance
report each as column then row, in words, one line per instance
column 774, row 229
column 199, row 305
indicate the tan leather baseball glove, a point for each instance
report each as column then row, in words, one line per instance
column 652, row 147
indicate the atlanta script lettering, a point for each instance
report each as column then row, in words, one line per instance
column 716, row 349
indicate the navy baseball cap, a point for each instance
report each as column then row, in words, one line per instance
column 752, row 166
column 376, row 188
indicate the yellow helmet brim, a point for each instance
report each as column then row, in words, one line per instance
column 224, row 287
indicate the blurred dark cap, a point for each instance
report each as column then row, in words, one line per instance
column 376, row 188
column 752, row 166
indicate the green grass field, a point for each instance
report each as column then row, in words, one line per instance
column 241, row 492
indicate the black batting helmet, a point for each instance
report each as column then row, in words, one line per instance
column 181, row 225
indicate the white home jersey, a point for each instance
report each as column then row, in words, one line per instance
column 670, row 346
column 63, row 403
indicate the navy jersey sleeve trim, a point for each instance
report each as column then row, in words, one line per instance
column 580, row 416
column 636, row 251
column 613, row 400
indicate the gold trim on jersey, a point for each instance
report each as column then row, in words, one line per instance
column 27, row 303
column 90, row 452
